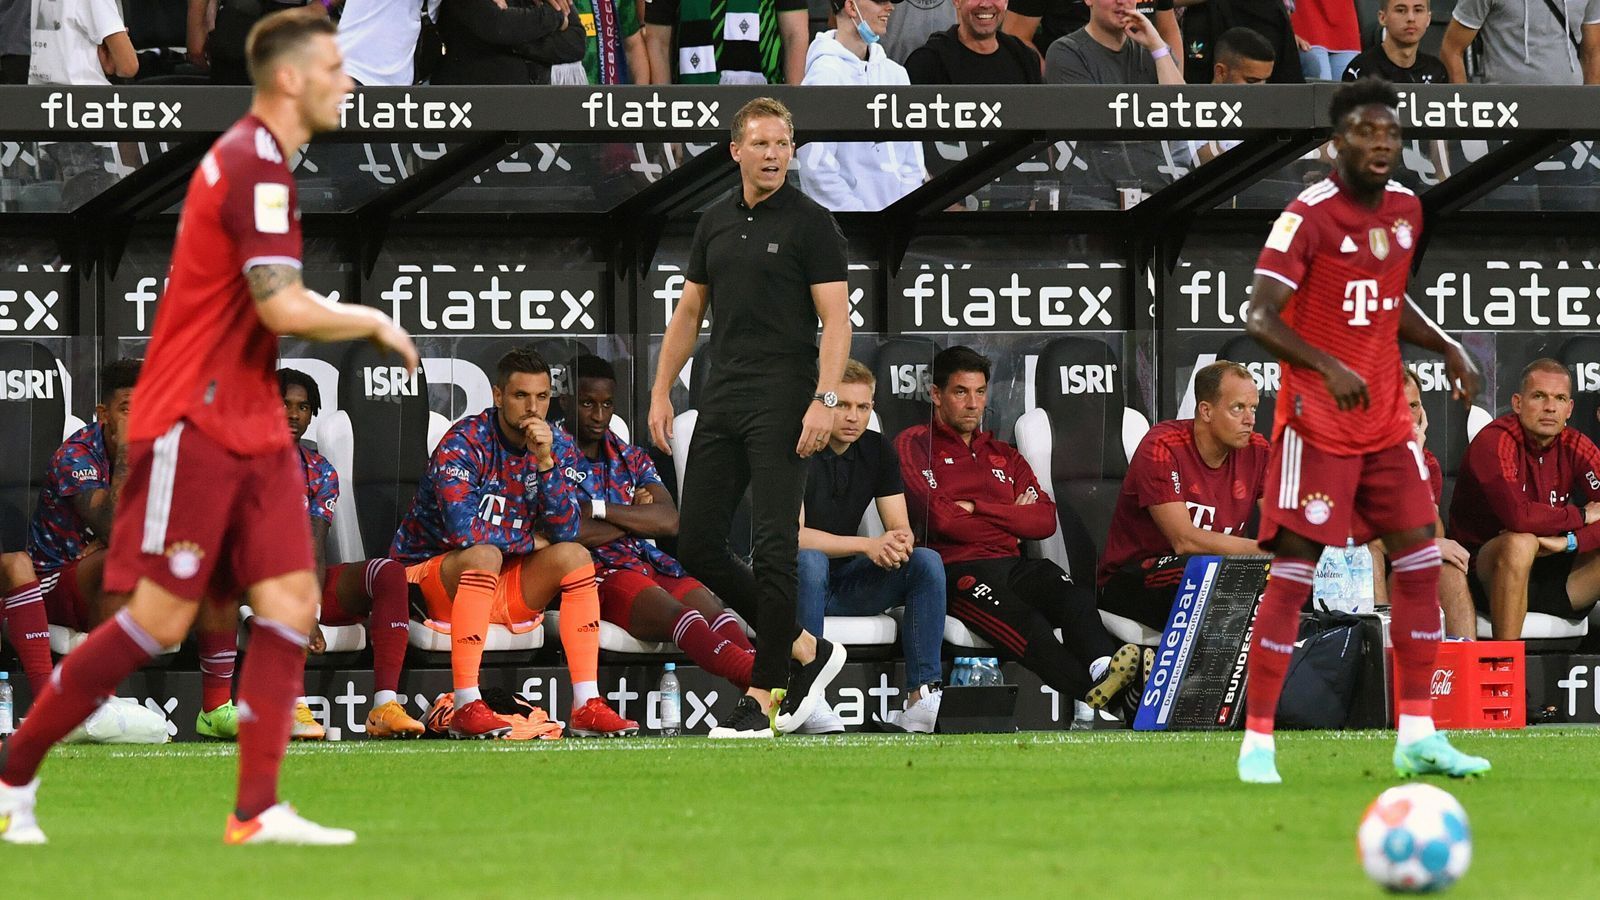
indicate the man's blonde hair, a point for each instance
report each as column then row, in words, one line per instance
column 761, row 108
column 856, row 373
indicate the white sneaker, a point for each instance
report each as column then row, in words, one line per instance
column 921, row 716
column 280, row 824
column 823, row 721
column 17, row 824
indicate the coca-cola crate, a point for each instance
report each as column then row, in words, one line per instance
column 1479, row 684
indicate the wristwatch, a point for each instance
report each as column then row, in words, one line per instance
column 829, row 399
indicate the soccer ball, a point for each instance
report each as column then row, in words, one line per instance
column 1415, row 839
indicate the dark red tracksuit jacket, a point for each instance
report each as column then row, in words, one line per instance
column 939, row 469
column 1509, row 483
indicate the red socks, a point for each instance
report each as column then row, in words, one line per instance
column 28, row 631
column 711, row 651
column 86, row 677
column 727, row 625
column 1415, row 627
column 1272, row 641
column 386, row 585
column 273, row 676
column 218, row 651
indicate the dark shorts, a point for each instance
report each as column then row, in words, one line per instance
column 1329, row 498
column 1547, row 586
column 202, row 521
column 64, row 603
column 1143, row 591
column 619, row 588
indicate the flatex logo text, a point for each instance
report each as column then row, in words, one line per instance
column 889, row 111
column 614, row 112
column 1145, row 112
column 361, row 111
column 1456, row 112
column 64, row 109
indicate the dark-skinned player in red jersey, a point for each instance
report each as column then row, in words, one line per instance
column 1329, row 300
column 214, row 502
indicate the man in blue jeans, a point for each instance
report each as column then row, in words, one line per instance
column 842, row 574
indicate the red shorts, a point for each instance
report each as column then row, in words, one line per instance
column 334, row 613
column 202, row 521
column 620, row 587
column 64, row 604
column 1329, row 498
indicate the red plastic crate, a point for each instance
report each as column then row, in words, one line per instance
column 1478, row 684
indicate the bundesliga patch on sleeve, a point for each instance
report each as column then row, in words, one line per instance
column 1283, row 231
column 272, row 208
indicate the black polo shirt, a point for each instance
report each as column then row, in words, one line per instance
column 1424, row 70
column 759, row 265
column 840, row 485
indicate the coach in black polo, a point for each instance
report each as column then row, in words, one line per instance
column 769, row 262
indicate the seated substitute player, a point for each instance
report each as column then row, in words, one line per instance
column 978, row 498
column 1526, row 506
column 845, row 575
column 1329, row 300
column 624, row 505
column 1190, row 490
column 71, row 529
column 1454, row 598
column 373, row 590
column 492, row 534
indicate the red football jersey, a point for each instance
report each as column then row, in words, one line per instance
column 210, row 359
column 1168, row 469
column 1348, row 266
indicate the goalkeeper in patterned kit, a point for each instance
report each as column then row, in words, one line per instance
column 1329, row 300
column 491, row 536
column 373, row 590
column 214, row 501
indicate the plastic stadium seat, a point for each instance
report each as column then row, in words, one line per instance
column 338, row 638
column 901, row 359
column 64, row 640
column 958, row 635
column 34, row 427
column 613, row 639
column 1078, row 445
column 1542, row 627
column 861, row 631
column 1128, row 631
column 432, row 637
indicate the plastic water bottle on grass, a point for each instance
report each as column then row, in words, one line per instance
column 7, row 721
column 671, row 702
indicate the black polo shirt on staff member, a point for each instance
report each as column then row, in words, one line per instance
column 840, row 486
column 759, row 265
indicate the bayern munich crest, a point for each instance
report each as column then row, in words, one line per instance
column 1318, row 509
column 1403, row 233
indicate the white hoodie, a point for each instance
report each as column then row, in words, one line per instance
column 857, row 175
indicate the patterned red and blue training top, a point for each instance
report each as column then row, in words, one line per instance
column 481, row 490
column 621, row 469
column 322, row 485
column 58, row 535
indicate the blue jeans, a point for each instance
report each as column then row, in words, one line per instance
column 858, row 587
column 1322, row 64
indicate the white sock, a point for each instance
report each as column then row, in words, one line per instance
column 382, row 697
column 1097, row 669
column 467, row 695
column 584, row 691
column 1257, row 740
column 1415, row 728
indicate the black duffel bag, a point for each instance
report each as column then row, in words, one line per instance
column 1323, row 673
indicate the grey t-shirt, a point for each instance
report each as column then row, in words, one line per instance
column 911, row 23
column 1077, row 58
column 1525, row 41
column 15, row 30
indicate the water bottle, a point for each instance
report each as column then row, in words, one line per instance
column 7, row 722
column 987, row 673
column 671, row 702
column 961, row 674
column 1359, row 561
column 994, row 671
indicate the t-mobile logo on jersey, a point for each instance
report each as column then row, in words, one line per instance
column 1361, row 297
column 492, row 509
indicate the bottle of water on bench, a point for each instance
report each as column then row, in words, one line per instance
column 671, row 702
column 7, row 722
column 987, row 672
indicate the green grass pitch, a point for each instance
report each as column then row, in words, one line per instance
column 1049, row 815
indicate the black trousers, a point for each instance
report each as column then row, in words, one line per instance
column 729, row 452
column 1016, row 604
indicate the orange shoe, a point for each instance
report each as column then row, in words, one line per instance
column 437, row 721
column 476, row 721
column 528, row 722
column 390, row 721
column 596, row 719
column 305, row 726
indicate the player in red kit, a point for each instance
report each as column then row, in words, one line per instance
column 214, row 501
column 1329, row 300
